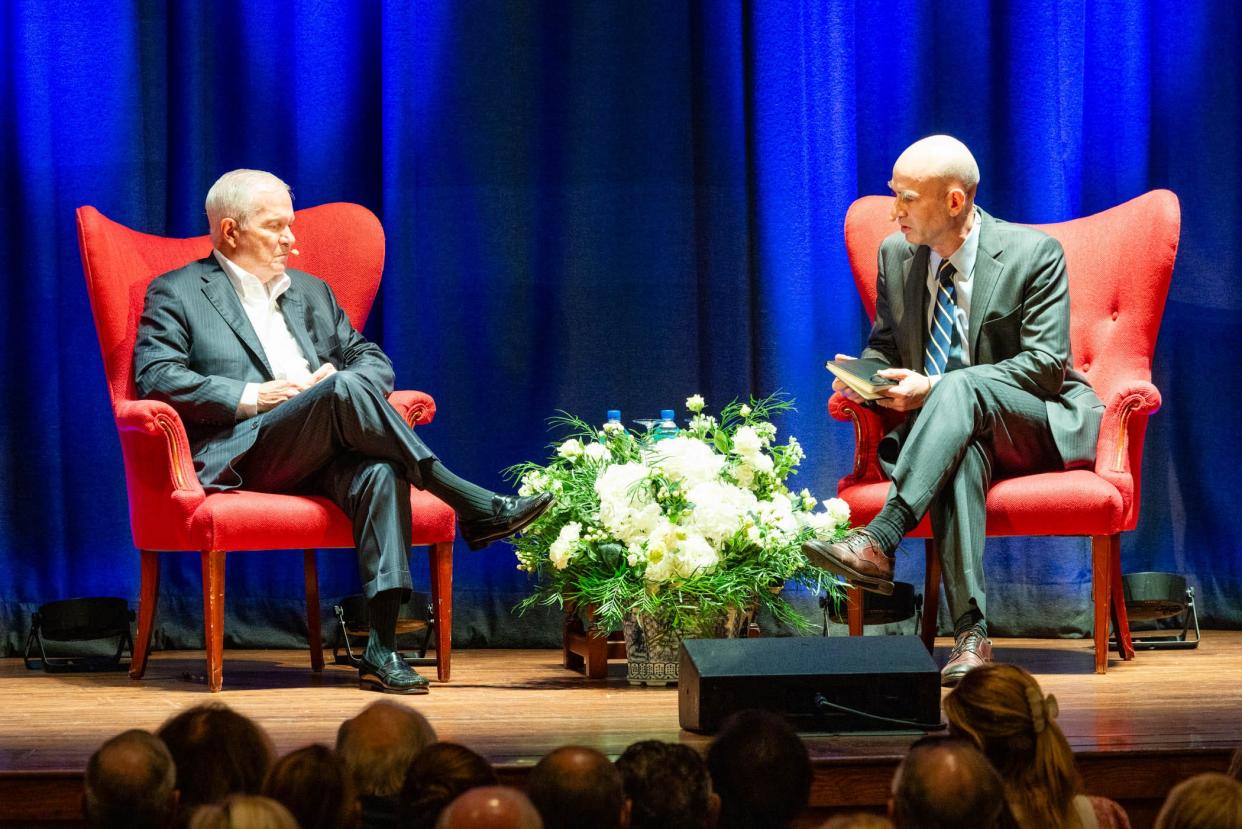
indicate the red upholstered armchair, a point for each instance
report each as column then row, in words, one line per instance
column 344, row 245
column 1120, row 262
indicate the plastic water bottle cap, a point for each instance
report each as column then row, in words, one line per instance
column 666, row 414
column 614, row 414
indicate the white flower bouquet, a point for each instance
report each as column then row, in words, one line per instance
column 686, row 530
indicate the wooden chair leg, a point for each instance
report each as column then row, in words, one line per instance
column 213, row 617
column 1121, row 619
column 854, row 610
column 442, row 599
column 931, row 595
column 148, row 598
column 1101, row 587
column 314, row 633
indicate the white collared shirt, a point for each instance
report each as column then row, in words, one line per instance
column 259, row 301
column 963, row 261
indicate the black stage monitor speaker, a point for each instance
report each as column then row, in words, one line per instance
column 836, row 685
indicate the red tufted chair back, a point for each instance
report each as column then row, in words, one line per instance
column 1119, row 261
column 341, row 243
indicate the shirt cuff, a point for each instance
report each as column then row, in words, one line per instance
column 933, row 379
column 248, row 406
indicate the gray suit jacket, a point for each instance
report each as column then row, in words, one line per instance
column 1019, row 325
column 196, row 350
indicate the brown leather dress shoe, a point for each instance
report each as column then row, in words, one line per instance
column 971, row 650
column 857, row 558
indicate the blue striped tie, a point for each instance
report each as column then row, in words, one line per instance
column 936, row 357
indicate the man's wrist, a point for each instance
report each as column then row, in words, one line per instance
column 248, row 406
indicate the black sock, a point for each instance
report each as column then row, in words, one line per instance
column 891, row 524
column 383, row 610
column 466, row 499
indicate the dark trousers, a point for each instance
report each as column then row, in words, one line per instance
column 970, row 431
column 342, row 439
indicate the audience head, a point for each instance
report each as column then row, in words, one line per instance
column 761, row 770
column 575, row 787
column 217, row 751
column 946, row 783
column 1206, row 801
column 241, row 811
column 131, row 782
column 857, row 820
column 438, row 774
column 378, row 745
column 313, row 785
column 668, row 786
column 491, row 807
column 1003, row 711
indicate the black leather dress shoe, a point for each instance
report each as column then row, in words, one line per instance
column 392, row 676
column 510, row 513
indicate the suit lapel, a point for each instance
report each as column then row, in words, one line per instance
column 916, row 300
column 219, row 291
column 988, row 272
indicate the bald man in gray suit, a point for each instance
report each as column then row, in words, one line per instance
column 279, row 393
column 972, row 313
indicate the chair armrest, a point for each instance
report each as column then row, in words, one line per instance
column 1119, row 449
column 869, row 427
column 1118, row 426
column 417, row 408
column 153, row 430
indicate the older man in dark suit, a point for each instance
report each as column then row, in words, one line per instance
column 279, row 393
column 973, row 315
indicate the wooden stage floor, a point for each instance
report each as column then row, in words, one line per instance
column 1136, row 730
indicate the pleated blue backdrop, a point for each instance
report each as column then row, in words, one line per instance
column 592, row 205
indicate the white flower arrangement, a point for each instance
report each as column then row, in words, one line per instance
column 685, row 529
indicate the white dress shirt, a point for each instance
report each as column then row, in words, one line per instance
column 963, row 261
column 259, row 301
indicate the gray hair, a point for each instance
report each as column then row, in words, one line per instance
column 232, row 197
column 130, row 781
column 378, row 745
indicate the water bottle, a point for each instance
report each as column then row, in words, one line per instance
column 614, row 419
column 666, row 428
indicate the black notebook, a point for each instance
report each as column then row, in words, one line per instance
column 861, row 375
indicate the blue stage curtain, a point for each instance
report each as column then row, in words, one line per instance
column 599, row 204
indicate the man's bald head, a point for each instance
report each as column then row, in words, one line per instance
column 940, row 157
column 575, row 786
column 378, row 745
column 946, row 783
column 490, row 807
column 131, row 781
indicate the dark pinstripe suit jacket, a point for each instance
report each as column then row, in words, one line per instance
column 1019, row 324
column 196, row 350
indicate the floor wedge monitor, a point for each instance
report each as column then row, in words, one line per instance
column 834, row 685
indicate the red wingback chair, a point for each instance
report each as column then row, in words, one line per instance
column 1120, row 262
column 168, row 509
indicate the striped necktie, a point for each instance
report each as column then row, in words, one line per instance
column 936, row 357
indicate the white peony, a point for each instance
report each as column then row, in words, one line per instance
column 561, row 550
column 778, row 514
column 688, row 460
column 625, row 506
column 570, row 449
column 839, row 510
column 719, row 509
column 695, row 555
column 746, row 442
column 695, row 403
column 597, row 452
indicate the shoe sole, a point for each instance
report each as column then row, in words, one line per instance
column 857, row 579
column 374, row 683
column 480, row 543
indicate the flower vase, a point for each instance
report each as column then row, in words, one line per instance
column 653, row 649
